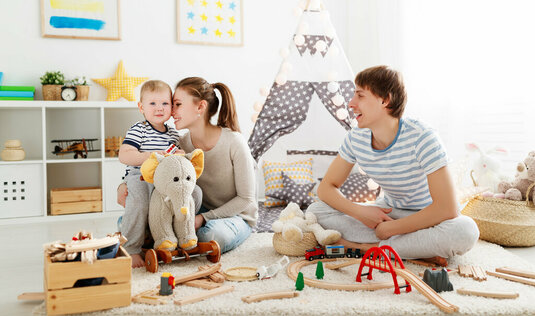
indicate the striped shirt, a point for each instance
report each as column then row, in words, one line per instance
column 401, row 169
column 145, row 138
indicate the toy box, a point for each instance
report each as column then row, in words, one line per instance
column 63, row 298
column 75, row 200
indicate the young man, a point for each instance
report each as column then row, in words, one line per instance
column 419, row 215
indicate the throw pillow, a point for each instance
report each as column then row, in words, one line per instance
column 321, row 159
column 298, row 171
column 360, row 188
column 293, row 192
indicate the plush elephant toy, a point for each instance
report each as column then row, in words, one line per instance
column 172, row 208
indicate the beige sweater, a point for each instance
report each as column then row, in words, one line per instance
column 228, row 180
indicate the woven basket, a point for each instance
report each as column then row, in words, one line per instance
column 291, row 248
column 504, row 222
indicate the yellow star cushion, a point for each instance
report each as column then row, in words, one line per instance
column 120, row 85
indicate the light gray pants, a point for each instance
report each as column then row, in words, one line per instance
column 451, row 237
column 134, row 222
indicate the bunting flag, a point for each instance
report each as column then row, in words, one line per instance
column 213, row 22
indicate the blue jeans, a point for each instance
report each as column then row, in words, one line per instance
column 229, row 232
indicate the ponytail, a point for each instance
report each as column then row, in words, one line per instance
column 202, row 90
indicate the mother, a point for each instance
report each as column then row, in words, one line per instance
column 229, row 209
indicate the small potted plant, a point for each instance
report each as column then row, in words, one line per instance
column 82, row 88
column 52, row 82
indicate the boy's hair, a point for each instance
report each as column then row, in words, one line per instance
column 387, row 84
column 154, row 85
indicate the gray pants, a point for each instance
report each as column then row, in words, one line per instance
column 451, row 237
column 135, row 219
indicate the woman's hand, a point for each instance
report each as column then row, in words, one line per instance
column 199, row 221
column 372, row 216
column 122, row 192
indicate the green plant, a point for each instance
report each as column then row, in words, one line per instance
column 53, row 77
column 79, row 81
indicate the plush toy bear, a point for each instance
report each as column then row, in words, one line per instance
column 524, row 178
column 293, row 222
column 172, row 208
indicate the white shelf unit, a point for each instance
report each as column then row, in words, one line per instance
column 25, row 185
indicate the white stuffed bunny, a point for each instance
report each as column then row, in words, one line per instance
column 486, row 168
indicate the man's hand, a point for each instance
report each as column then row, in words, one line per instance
column 122, row 192
column 199, row 221
column 372, row 216
column 382, row 231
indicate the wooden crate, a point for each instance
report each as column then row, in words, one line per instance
column 75, row 200
column 63, row 298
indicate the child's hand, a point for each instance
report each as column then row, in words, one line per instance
column 374, row 215
column 180, row 152
column 199, row 221
column 122, row 192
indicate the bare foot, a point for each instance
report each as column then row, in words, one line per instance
column 137, row 261
column 439, row 261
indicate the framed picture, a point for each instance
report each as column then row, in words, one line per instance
column 87, row 19
column 210, row 22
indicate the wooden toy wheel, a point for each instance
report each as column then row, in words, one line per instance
column 151, row 261
column 215, row 256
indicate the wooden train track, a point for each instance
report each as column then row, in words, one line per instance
column 294, row 268
column 426, row 291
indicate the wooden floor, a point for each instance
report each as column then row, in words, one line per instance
column 21, row 268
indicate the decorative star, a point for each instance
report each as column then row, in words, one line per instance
column 293, row 192
column 191, row 15
column 204, row 17
column 232, row 5
column 191, row 30
column 218, row 18
column 204, row 30
column 204, row 3
column 191, row 2
column 231, row 33
column 232, row 20
column 218, row 33
column 120, row 85
column 219, row 4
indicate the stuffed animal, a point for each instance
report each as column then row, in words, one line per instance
column 487, row 168
column 293, row 222
column 525, row 177
column 172, row 208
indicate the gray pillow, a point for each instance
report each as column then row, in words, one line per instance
column 293, row 192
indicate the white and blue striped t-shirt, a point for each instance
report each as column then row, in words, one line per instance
column 401, row 169
column 145, row 138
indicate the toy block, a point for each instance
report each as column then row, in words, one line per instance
column 217, row 276
column 203, row 284
column 204, row 295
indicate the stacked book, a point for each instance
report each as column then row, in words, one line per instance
column 16, row 93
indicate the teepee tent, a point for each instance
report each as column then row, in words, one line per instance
column 314, row 73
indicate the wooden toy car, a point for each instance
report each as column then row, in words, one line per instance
column 209, row 249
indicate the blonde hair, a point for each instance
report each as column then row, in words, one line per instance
column 387, row 84
column 200, row 89
column 154, row 86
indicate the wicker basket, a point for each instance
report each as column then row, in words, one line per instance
column 290, row 248
column 504, row 222
column 52, row 92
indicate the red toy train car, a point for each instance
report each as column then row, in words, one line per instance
column 331, row 251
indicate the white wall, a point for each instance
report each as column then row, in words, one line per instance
column 148, row 48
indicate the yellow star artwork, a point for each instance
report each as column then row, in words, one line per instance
column 120, row 85
column 219, row 18
column 232, row 20
column 204, row 17
column 204, row 3
column 231, row 33
column 218, row 33
column 219, row 4
column 191, row 30
column 191, row 2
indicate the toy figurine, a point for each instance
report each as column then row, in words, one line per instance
column 299, row 282
column 319, row 270
column 167, row 283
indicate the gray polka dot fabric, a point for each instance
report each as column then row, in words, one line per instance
column 310, row 44
column 286, row 108
column 356, row 188
column 266, row 217
column 293, row 192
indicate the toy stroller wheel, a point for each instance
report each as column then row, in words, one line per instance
column 215, row 256
column 151, row 261
column 75, row 156
column 84, row 155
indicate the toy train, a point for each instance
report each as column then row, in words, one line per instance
column 331, row 251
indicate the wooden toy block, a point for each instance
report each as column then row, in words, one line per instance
column 204, row 295
column 478, row 273
column 197, row 275
column 63, row 298
column 517, row 272
column 217, row 276
column 269, row 296
column 465, row 271
column 75, row 200
column 487, row 293
column 512, row 278
column 203, row 284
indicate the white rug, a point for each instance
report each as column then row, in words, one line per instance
column 258, row 250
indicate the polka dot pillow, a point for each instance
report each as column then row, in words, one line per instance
column 360, row 188
column 299, row 171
